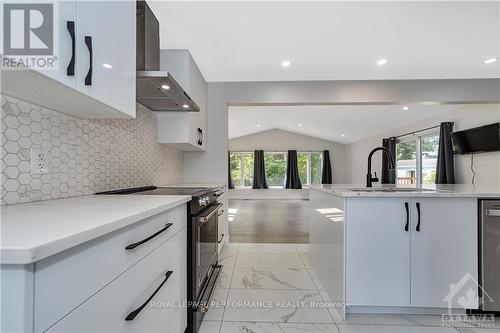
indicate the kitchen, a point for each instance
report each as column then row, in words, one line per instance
column 159, row 226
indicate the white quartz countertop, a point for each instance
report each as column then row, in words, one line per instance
column 36, row 230
column 445, row 191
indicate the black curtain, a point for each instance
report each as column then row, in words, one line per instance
column 445, row 168
column 259, row 171
column 230, row 184
column 292, row 171
column 326, row 170
column 388, row 175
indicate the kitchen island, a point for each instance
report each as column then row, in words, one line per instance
column 396, row 250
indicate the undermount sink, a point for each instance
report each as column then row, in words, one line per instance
column 389, row 189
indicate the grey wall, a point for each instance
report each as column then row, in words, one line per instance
column 277, row 139
column 211, row 166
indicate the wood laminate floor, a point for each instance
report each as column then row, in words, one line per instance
column 269, row 221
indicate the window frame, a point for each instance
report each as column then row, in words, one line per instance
column 418, row 153
column 241, row 153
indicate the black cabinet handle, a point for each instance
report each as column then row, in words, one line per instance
column 70, row 71
column 134, row 313
column 134, row 245
column 221, row 238
column 221, row 212
column 418, row 217
column 200, row 136
column 407, row 225
column 88, row 78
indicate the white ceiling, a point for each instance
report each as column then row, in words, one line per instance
column 247, row 41
column 328, row 122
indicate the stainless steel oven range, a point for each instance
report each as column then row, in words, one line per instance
column 203, row 268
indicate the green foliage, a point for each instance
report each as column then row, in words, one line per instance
column 275, row 168
column 430, row 177
column 248, row 165
column 406, row 150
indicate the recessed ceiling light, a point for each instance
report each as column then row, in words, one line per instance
column 343, row 135
column 382, row 62
column 405, row 108
column 285, row 63
column 258, row 125
column 490, row 60
column 165, row 86
column 185, row 106
column 300, row 125
column 107, row 66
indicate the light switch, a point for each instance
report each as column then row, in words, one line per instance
column 39, row 161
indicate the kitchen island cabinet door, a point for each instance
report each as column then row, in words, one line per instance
column 444, row 250
column 377, row 252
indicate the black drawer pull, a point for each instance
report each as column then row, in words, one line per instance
column 88, row 78
column 221, row 239
column 407, row 217
column 418, row 217
column 134, row 245
column 221, row 212
column 134, row 313
column 70, row 71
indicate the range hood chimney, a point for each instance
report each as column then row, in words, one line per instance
column 155, row 89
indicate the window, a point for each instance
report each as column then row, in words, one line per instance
column 430, row 146
column 241, row 164
column 416, row 160
column 275, row 164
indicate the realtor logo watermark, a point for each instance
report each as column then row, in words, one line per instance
column 465, row 294
column 28, row 36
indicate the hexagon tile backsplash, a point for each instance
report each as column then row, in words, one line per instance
column 85, row 155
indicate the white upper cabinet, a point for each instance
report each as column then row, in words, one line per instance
column 184, row 130
column 106, row 52
column 109, row 29
column 443, row 250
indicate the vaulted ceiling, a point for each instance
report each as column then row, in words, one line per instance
column 343, row 124
column 334, row 40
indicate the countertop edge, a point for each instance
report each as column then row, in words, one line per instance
column 17, row 256
column 345, row 193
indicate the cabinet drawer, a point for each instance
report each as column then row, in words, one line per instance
column 107, row 310
column 65, row 280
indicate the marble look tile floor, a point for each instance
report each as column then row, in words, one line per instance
column 269, row 288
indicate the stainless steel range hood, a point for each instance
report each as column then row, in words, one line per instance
column 155, row 89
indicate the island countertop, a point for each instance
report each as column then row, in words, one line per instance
column 36, row 230
column 423, row 191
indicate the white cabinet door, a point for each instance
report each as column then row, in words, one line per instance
column 108, row 27
column 377, row 252
column 443, row 250
column 63, row 12
column 65, row 19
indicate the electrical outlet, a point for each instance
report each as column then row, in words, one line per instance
column 39, row 161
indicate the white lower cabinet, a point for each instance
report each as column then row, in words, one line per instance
column 107, row 310
column 378, row 244
column 395, row 258
column 443, row 250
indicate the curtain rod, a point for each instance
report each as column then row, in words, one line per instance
column 421, row 130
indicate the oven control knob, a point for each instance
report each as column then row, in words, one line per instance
column 201, row 202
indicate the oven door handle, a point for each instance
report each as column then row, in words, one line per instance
column 204, row 306
column 208, row 213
